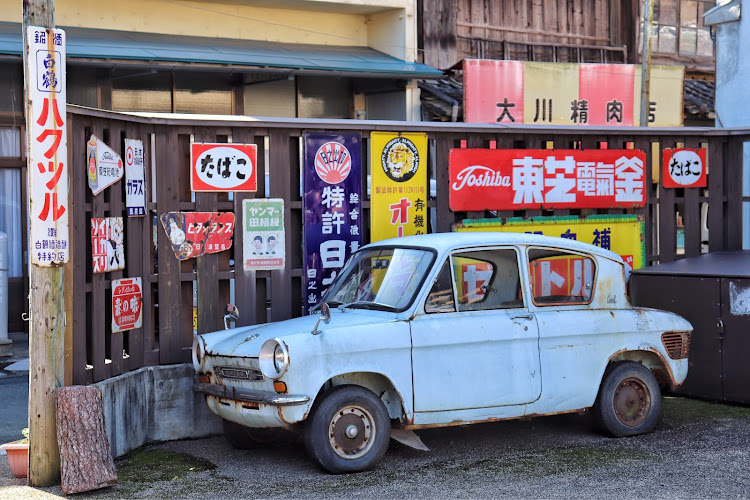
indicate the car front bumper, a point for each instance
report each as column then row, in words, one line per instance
column 246, row 396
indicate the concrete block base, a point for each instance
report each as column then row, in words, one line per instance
column 6, row 348
column 154, row 403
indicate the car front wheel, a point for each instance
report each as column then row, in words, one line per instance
column 349, row 430
column 629, row 400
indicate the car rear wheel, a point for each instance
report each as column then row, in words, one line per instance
column 247, row 438
column 629, row 400
column 349, row 430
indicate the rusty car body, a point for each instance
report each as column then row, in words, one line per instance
column 447, row 329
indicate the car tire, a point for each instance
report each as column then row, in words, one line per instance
column 247, row 438
column 629, row 400
column 348, row 431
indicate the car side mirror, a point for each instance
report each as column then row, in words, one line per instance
column 325, row 317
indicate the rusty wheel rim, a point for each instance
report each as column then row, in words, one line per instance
column 632, row 402
column 351, row 432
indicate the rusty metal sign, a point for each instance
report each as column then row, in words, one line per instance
column 104, row 165
column 192, row 234
column 48, row 147
column 127, row 298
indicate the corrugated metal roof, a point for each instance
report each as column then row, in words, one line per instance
column 89, row 43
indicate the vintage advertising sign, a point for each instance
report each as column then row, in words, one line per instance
column 126, row 304
column 398, row 197
column 48, row 147
column 684, row 168
column 107, row 244
column 515, row 179
column 192, row 234
column 622, row 234
column 332, row 203
column 135, row 190
column 516, row 92
column 263, row 237
column 223, row 167
column 104, row 165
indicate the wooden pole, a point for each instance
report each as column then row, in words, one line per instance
column 47, row 311
column 648, row 21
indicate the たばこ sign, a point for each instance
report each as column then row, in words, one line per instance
column 223, row 167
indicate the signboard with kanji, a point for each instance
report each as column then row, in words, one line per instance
column 192, row 234
column 104, row 165
column 223, row 167
column 516, row 179
column 622, row 234
column 107, row 244
column 332, row 208
column 48, row 147
column 263, row 237
column 523, row 92
column 126, row 304
column 684, row 168
column 398, row 196
column 135, row 183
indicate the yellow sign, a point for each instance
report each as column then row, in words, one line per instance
column 398, row 196
column 623, row 234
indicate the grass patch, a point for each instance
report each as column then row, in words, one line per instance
column 677, row 409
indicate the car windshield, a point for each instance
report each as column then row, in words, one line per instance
column 380, row 278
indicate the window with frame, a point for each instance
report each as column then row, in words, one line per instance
column 477, row 281
column 678, row 29
column 560, row 277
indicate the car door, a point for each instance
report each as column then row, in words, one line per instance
column 474, row 344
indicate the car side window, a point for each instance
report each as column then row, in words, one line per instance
column 440, row 299
column 487, row 279
column 560, row 277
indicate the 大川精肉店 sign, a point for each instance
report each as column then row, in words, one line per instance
column 515, row 179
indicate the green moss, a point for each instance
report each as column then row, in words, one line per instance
column 153, row 465
column 680, row 410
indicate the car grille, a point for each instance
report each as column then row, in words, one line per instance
column 238, row 373
column 677, row 344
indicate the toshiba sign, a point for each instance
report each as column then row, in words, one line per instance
column 516, row 179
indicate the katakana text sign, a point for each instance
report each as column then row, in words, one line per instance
column 107, row 244
column 48, row 147
column 332, row 208
column 263, row 236
column 399, row 184
column 223, row 167
column 127, row 300
column 622, row 234
column 523, row 92
column 135, row 183
column 192, row 234
column 516, row 179
column 684, row 168
column 104, row 165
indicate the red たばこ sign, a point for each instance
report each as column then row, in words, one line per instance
column 223, row 167
column 684, row 167
column 126, row 304
column 515, row 179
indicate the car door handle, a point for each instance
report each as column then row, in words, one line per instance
column 523, row 316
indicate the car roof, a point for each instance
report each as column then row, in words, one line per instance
column 446, row 242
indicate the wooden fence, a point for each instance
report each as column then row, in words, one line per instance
column 171, row 287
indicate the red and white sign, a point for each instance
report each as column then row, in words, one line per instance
column 48, row 147
column 107, row 244
column 683, row 167
column 515, row 179
column 126, row 304
column 192, row 234
column 223, row 167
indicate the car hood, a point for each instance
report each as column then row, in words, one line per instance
column 246, row 341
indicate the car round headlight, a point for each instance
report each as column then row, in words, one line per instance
column 273, row 358
column 199, row 349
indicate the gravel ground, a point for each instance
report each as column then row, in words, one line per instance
column 699, row 450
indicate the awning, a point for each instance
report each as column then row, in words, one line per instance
column 108, row 45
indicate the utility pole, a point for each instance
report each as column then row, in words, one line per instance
column 47, row 326
column 648, row 21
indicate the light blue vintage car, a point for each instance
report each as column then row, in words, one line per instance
column 447, row 329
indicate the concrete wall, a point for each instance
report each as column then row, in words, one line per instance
column 154, row 404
